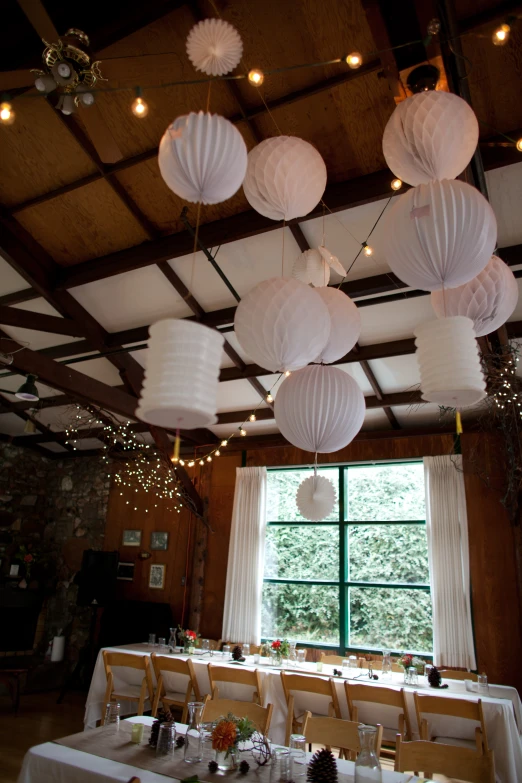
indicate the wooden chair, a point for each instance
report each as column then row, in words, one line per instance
column 386, row 697
column 162, row 663
column 335, row 660
column 215, row 708
column 239, row 676
column 455, row 708
column 128, row 692
column 333, row 732
column 213, row 644
column 433, row 758
column 453, row 674
column 303, row 684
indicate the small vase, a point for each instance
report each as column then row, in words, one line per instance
column 226, row 760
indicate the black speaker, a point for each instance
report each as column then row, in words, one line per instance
column 97, row 579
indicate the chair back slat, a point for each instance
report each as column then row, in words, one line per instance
column 185, row 668
column 128, row 661
column 453, row 674
column 435, row 758
column 239, row 676
column 466, row 709
column 387, row 697
column 337, row 733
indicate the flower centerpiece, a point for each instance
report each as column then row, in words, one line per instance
column 279, row 649
column 406, row 661
column 187, row 639
column 228, row 732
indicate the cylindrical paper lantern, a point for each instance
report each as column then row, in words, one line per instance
column 282, row 324
column 489, row 299
column 315, row 498
column 346, row 324
column 449, row 364
column 202, row 157
column 439, row 235
column 182, row 375
column 431, row 135
column 214, row 47
column 285, row 178
column 319, row 409
column 311, row 268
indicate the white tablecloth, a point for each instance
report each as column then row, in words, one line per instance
column 502, row 708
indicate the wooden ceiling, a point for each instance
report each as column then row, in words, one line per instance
column 70, row 220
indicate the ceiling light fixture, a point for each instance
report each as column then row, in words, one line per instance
column 28, row 390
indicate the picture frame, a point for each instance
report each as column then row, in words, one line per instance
column 157, row 576
column 125, row 572
column 131, row 538
column 159, row 540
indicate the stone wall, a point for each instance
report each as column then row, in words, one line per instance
column 56, row 509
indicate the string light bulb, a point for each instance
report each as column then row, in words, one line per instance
column 256, row 77
column 139, row 107
column 519, row 145
column 224, row 443
column 242, row 431
column 217, row 453
column 191, row 463
column 367, row 250
column 252, row 417
column 7, row 115
column 269, row 397
column 287, row 373
column 182, row 462
column 209, row 458
column 396, row 184
column 354, row 60
column 501, row 34
column 201, row 462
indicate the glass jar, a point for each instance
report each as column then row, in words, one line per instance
column 367, row 766
column 411, row 676
column 172, row 640
column 227, row 760
column 193, row 737
column 166, row 739
column 386, row 665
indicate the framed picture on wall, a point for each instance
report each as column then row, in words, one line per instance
column 159, row 541
column 131, row 538
column 157, row 577
column 125, row 571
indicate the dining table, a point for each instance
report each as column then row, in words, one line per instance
column 501, row 705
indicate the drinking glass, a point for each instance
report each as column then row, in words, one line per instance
column 352, row 662
column 281, row 766
column 226, row 651
column 386, row 665
column 205, row 645
column 112, row 714
column 301, row 656
column 245, row 649
column 367, row 766
column 345, row 666
column 137, row 733
column 161, row 644
column 411, row 676
column 298, row 751
column 166, row 739
column 193, row 737
column 292, row 655
column 152, row 639
column 482, row 684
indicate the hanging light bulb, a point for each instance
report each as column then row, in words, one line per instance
column 242, row 431
column 191, row 463
column 354, row 60
column 7, row 115
column 269, row 397
column 209, row 458
column 252, row 417
column 256, row 77
column 519, row 145
column 396, row 184
column 139, row 107
column 287, row 373
column 201, row 462
column 224, row 443
column 501, row 34
column 217, row 453
column 367, row 250
column 182, row 462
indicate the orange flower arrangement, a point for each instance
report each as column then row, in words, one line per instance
column 224, row 735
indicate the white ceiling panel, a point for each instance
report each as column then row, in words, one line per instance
column 135, row 298
column 413, row 415
column 396, row 374
column 375, row 419
column 236, row 395
column 39, row 305
column 11, row 424
column 34, row 339
column 10, row 281
column 55, row 447
column 88, row 443
column 100, row 369
column 505, row 195
column 231, row 338
column 394, row 320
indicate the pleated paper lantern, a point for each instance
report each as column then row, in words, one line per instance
column 311, row 268
column 315, row 498
column 285, row 178
column 202, row 158
column 282, row 324
column 439, row 235
column 319, row 409
column 182, row 375
column 346, row 325
column 214, row 47
column 431, row 135
column 449, row 364
column 489, row 299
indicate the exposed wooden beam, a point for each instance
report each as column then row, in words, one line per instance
column 17, row 297
column 12, row 316
column 372, row 380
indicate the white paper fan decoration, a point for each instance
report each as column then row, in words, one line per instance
column 214, row 47
column 332, row 261
column 316, row 498
column 311, row 268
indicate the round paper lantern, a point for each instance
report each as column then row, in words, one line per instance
column 285, row 178
column 431, row 135
column 319, row 409
column 202, row 158
column 488, row 299
column 180, row 385
column 311, row 268
column 439, row 235
column 282, row 324
column 214, row 47
column 449, row 363
column 315, row 498
column 346, row 325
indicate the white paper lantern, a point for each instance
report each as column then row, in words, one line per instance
column 182, row 375
column 319, row 409
column 315, row 498
column 346, row 324
column 332, row 261
column 489, row 299
column 202, row 157
column 431, row 135
column 214, row 47
column 439, row 235
column 311, row 268
column 449, row 364
column 282, row 324
column 285, row 178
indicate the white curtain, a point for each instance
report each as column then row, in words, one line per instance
column 246, row 557
column 447, row 530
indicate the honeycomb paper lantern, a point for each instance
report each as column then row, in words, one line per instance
column 449, row 363
column 285, row 178
column 315, row 498
column 214, row 47
column 431, row 135
column 346, row 324
column 489, row 299
column 439, row 235
column 282, row 324
column 319, row 409
column 181, row 380
column 202, row 158
column 311, row 268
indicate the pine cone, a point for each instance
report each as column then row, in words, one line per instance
column 163, row 717
column 322, row 767
column 180, row 741
column 434, row 678
column 244, row 767
column 212, row 766
column 237, row 653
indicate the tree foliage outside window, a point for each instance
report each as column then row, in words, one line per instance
column 358, row 578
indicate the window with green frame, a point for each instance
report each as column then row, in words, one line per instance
column 360, row 577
